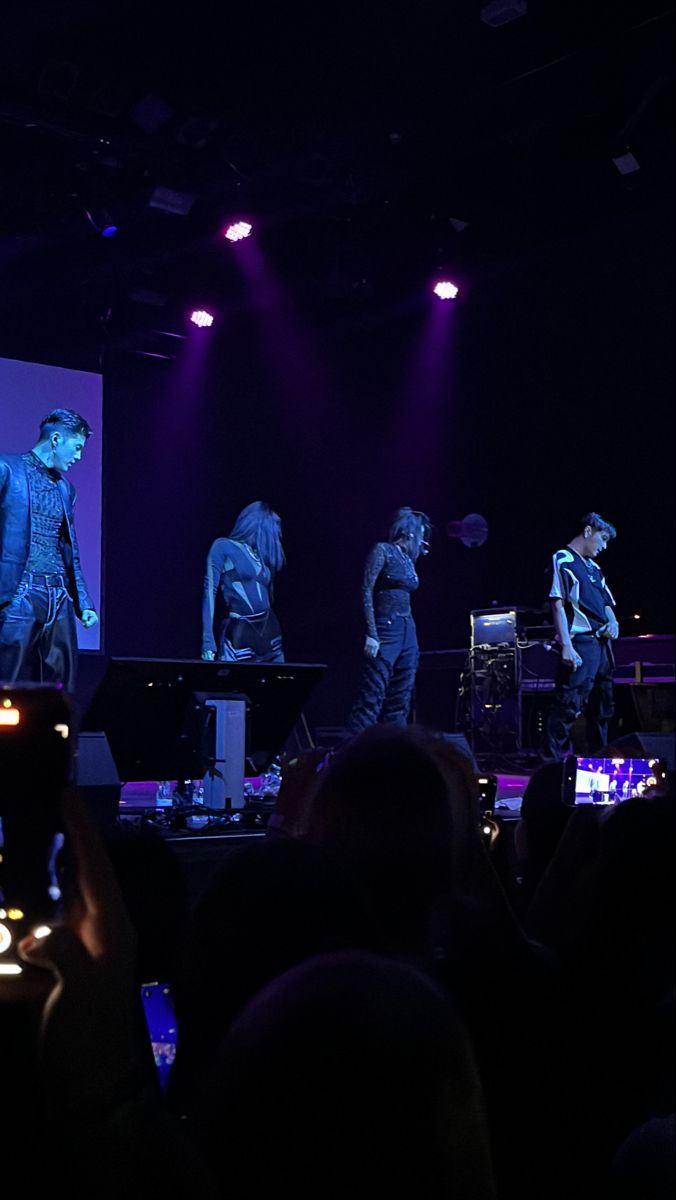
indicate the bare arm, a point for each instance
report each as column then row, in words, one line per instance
column 568, row 653
column 97, row 1085
column 612, row 628
column 214, row 568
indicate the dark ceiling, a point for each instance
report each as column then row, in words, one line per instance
column 358, row 134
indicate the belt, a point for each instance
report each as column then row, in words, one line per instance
column 51, row 579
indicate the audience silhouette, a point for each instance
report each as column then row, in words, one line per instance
column 362, row 1009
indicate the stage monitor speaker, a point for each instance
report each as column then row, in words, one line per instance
column 435, row 697
column 648, row 707
column 646, row 745
column 97, row 778
column 538, row 663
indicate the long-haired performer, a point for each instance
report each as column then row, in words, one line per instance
column 391, row 646
column 238, row 623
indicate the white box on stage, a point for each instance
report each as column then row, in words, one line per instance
column 224, row 779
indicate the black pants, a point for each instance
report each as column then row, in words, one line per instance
column 38, row 635
column 253, row 639
column 585, row 689
column 387, row 680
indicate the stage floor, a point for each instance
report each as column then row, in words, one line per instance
column 140, row 799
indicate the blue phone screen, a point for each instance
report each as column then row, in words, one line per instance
column 161, row 1021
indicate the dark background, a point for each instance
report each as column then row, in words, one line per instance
column 332, row 383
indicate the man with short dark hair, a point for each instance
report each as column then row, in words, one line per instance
column 583, row 610
column 42, row 588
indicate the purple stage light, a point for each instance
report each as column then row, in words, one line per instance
column 445, row 290
column 201, row 318
column 101, row 220
column 238, row 230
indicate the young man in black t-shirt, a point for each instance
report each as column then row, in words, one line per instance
column 583, row 610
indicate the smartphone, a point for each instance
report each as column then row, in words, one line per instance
column 35, row 766
column 488, row 786
column 158, row 1007
column 589, row 780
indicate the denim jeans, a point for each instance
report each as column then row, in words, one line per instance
column 387, row 680
column 38, row 635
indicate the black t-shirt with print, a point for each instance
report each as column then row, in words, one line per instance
column 580, row 584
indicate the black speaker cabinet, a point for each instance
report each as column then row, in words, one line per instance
column 645, row 706
column 97, row 778
column 435, row 698
column 647, row 745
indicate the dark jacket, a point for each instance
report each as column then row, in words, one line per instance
column 15, row 533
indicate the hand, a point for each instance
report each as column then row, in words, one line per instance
column 208, row 656
column 570, row 657
column 90, row 1050
column 612, row 630
column 371, row 647
column 89, row 618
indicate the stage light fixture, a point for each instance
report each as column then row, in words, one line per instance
column 150, row 113
column 237, row 231
column 626, row 163
column 196, row 132
column 59, row 79
column 170, row 201
column 152, row 297
column 445, row 290
column 101, row 220
column 202, row 318
column 501, row 12
column 110, row 98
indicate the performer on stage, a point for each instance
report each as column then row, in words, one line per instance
column 391, row 646
column 583, row 611
column 239, row 581
column 42, row 589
